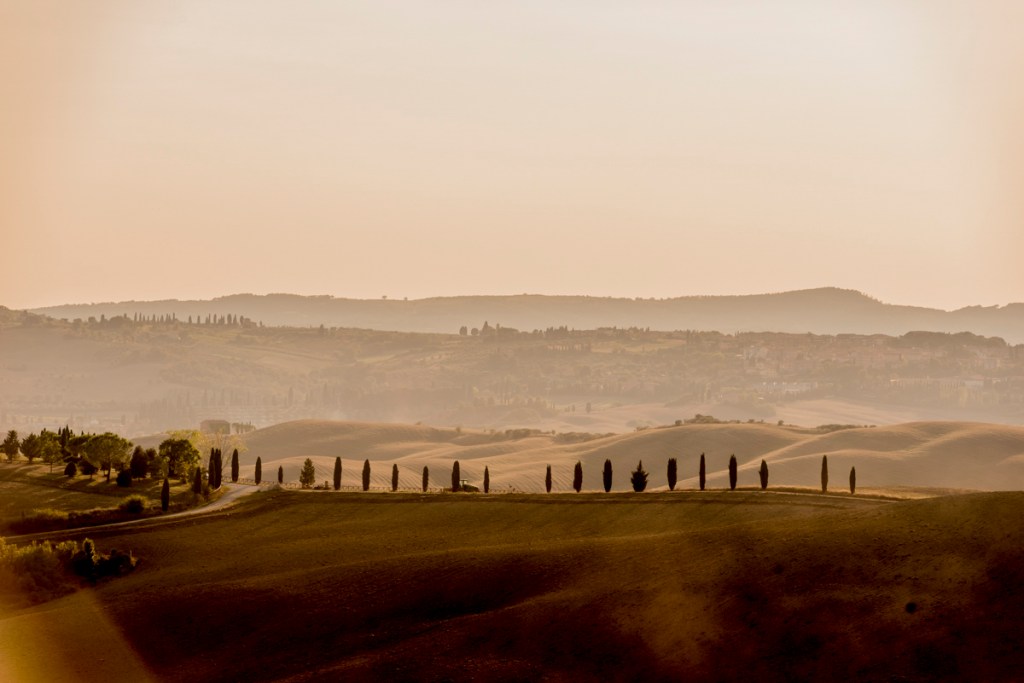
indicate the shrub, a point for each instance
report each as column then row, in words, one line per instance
column 577, row 476
column 124, row 478
column 703, row 472
column 606, row 476
column 70, row 469
column 672, row 472
column 134, row 504
column 732, row 472
column 639, row 478
column 40, row 569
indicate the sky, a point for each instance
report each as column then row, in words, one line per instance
column 198, row 148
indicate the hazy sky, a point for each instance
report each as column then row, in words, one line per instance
column 193, row 148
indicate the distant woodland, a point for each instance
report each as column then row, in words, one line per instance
column 142, row 373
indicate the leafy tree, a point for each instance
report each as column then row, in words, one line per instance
column 307, row 477
column 487, row 480
column 11, row 445
column 155, row 465
column 259, row 470
column 672, row 474
column 366, row 475
column 30, row 447
column 456, row 479
column 763, row 474
column 165, row 495
column 824, row 473
column 426, row 478
column 234, row 466
column 577, row 476
column 107, row 451
column 49, row 448
column 139, row 464
column 337, row 473
column 181, row 456
column 639, row 478
column 853, row 480
column 702, row 475
column 394, row 477
column 547, row 479
column 280, row 474
column 606, row 475
column 197, row 481
column 732, row 472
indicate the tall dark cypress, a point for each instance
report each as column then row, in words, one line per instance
column 280, row 474
column 337, row 473
column 763, row 474
column 824, row 473
column 577, row 476
column 197, row 481
column 165, row 495
column 853, row 480
column 366, row 475
column 672, row 474
column 606, row 476
column 259, row 470
column 732, row 472
column 547, row 479
column 234, row 466
column 394, row 477
column 456, row 478
column 426, row 478
column 702, row 475
column 487, row 480
column 211, row 470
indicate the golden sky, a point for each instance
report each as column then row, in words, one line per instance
column 194, row 148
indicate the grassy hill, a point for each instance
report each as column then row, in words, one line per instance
column 714, row 586
column 954, row 455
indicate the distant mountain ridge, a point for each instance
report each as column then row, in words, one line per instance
column 826, row 310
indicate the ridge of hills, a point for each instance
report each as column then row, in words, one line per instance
column 826, row 310
column 943, row 455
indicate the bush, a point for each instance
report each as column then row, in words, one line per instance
column 70, row 470
column 134, row 504
column 40, row 570
column 124, row 478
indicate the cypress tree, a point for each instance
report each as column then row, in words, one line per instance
column 197, row 481
column 606, row 475
column 220, row 467
column 732, row 472
column 547, row 479
column 853, row 480
column 577, row 476
column 366, row 475
column 487, row 480
column 165, row 495
column 234, row 466
column 455, row 477
column 763, row 473
column 672, row 474
column 280, row 474
column 702, row 473
column 394, row 477
column 639, row 478
column 211, row 470
column 426, row 478
column 337, row 473
column 824, row 473
column 259, row 470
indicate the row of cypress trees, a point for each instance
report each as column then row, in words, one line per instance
column 638, row 477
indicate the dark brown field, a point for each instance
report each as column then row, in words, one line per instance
column 309, row 586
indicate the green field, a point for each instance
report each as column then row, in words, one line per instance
column 671, row 586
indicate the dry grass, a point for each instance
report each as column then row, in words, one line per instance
column 695, row 586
